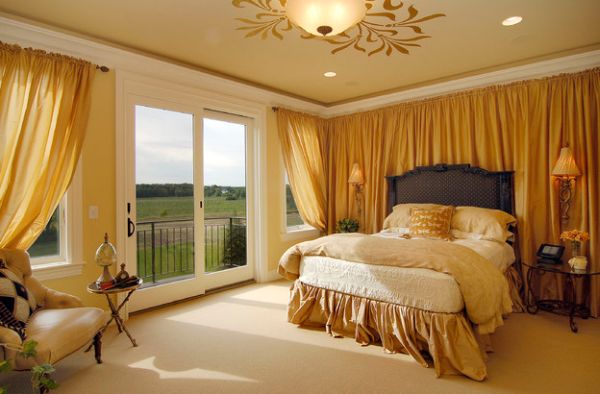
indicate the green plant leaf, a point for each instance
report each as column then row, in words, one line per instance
column 43, row 369
column 29, row 349
column 48, row 382
column 4, row 366
column 347, row 225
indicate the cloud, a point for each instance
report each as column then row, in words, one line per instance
column 165, row 149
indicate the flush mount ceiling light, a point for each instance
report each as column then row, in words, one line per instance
column 330, row 74
column 513, row 20
column 325, row 17
column 369, row 26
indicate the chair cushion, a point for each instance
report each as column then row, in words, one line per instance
column 60, row 332
column 16, row 303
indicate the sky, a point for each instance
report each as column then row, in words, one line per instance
column 164, row 149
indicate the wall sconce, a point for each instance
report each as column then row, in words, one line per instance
column 566, row 171
column 357, row 179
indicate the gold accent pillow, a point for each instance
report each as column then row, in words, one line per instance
column 492, row 224
column 431, row 223
column 400, row 216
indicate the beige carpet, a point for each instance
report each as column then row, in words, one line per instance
column 239, row 341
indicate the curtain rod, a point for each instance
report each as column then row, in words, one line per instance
column 104, row 69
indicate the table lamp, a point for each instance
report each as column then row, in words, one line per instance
column 106, row 255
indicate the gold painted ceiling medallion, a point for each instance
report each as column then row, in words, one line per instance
column 377, row 32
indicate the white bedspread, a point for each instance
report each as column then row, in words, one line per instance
column 415, row 287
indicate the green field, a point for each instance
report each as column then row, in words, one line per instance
column 157, row 208
column 161, row 208
column 174, row 259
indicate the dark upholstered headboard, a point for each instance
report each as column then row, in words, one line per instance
column 458, row 184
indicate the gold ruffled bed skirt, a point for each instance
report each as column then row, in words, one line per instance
column 445, row 341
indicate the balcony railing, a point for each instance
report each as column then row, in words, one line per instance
column 165, row 248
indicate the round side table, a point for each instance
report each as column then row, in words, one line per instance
column 93, row 288
column 568, row 306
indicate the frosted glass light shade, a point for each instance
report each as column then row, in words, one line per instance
column 565, row 165
column 325, row 17
column 356, row 176
column 106, row 254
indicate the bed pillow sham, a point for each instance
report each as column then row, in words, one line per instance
column 433, row 223
column 491, row 224
column 400, row 216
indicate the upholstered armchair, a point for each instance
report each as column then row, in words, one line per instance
column 60, row 325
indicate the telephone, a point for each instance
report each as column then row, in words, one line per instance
column 550, row 254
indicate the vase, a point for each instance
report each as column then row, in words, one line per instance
column 575, row 248
column 577, row 262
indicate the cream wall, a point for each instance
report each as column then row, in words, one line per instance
column 99, row 179
column 275, row 196
column 98, row 187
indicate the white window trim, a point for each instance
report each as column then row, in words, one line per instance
column 291, row 233
column 70, row 262
column 174, row 81
column 300, row 232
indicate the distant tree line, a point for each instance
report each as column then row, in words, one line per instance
column 289, row 199
column 145, row 190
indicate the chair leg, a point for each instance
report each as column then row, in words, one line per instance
column 98, row 347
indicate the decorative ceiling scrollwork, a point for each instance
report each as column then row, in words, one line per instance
column 386, row 29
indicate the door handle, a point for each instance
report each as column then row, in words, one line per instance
column 130, row 227
column 130, row 224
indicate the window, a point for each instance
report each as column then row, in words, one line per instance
column 57, row 251
column 293, row 220
column 293, row 225
column 50, row 245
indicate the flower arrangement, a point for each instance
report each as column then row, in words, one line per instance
column 576, row 237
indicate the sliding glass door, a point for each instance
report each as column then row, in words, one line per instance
column 227, row 196
column 187, row 199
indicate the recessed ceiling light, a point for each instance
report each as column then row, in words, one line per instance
column 329, row 74
column 513, row 20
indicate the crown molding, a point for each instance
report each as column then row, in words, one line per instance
column 566, row 64
column 29, row 34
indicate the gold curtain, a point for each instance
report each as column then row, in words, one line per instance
column 304, row 158
column 520, row 127
column 44, row 106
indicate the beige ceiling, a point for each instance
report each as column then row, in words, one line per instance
column 203, row 33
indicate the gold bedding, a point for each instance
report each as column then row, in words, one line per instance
column 483, row 287
column 442, row 340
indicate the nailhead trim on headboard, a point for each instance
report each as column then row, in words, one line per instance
column 457, row 184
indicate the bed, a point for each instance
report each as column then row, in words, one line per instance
column 431, row 307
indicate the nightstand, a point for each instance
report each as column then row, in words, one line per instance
column 129, row 288
column 569, row 305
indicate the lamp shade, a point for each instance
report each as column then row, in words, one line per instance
column 106, row 254
column 565, row 165
column 356, row 176
column 325, row 17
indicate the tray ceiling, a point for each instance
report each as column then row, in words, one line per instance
column 212, row 35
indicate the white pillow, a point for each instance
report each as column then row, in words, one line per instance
column 491, row 224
